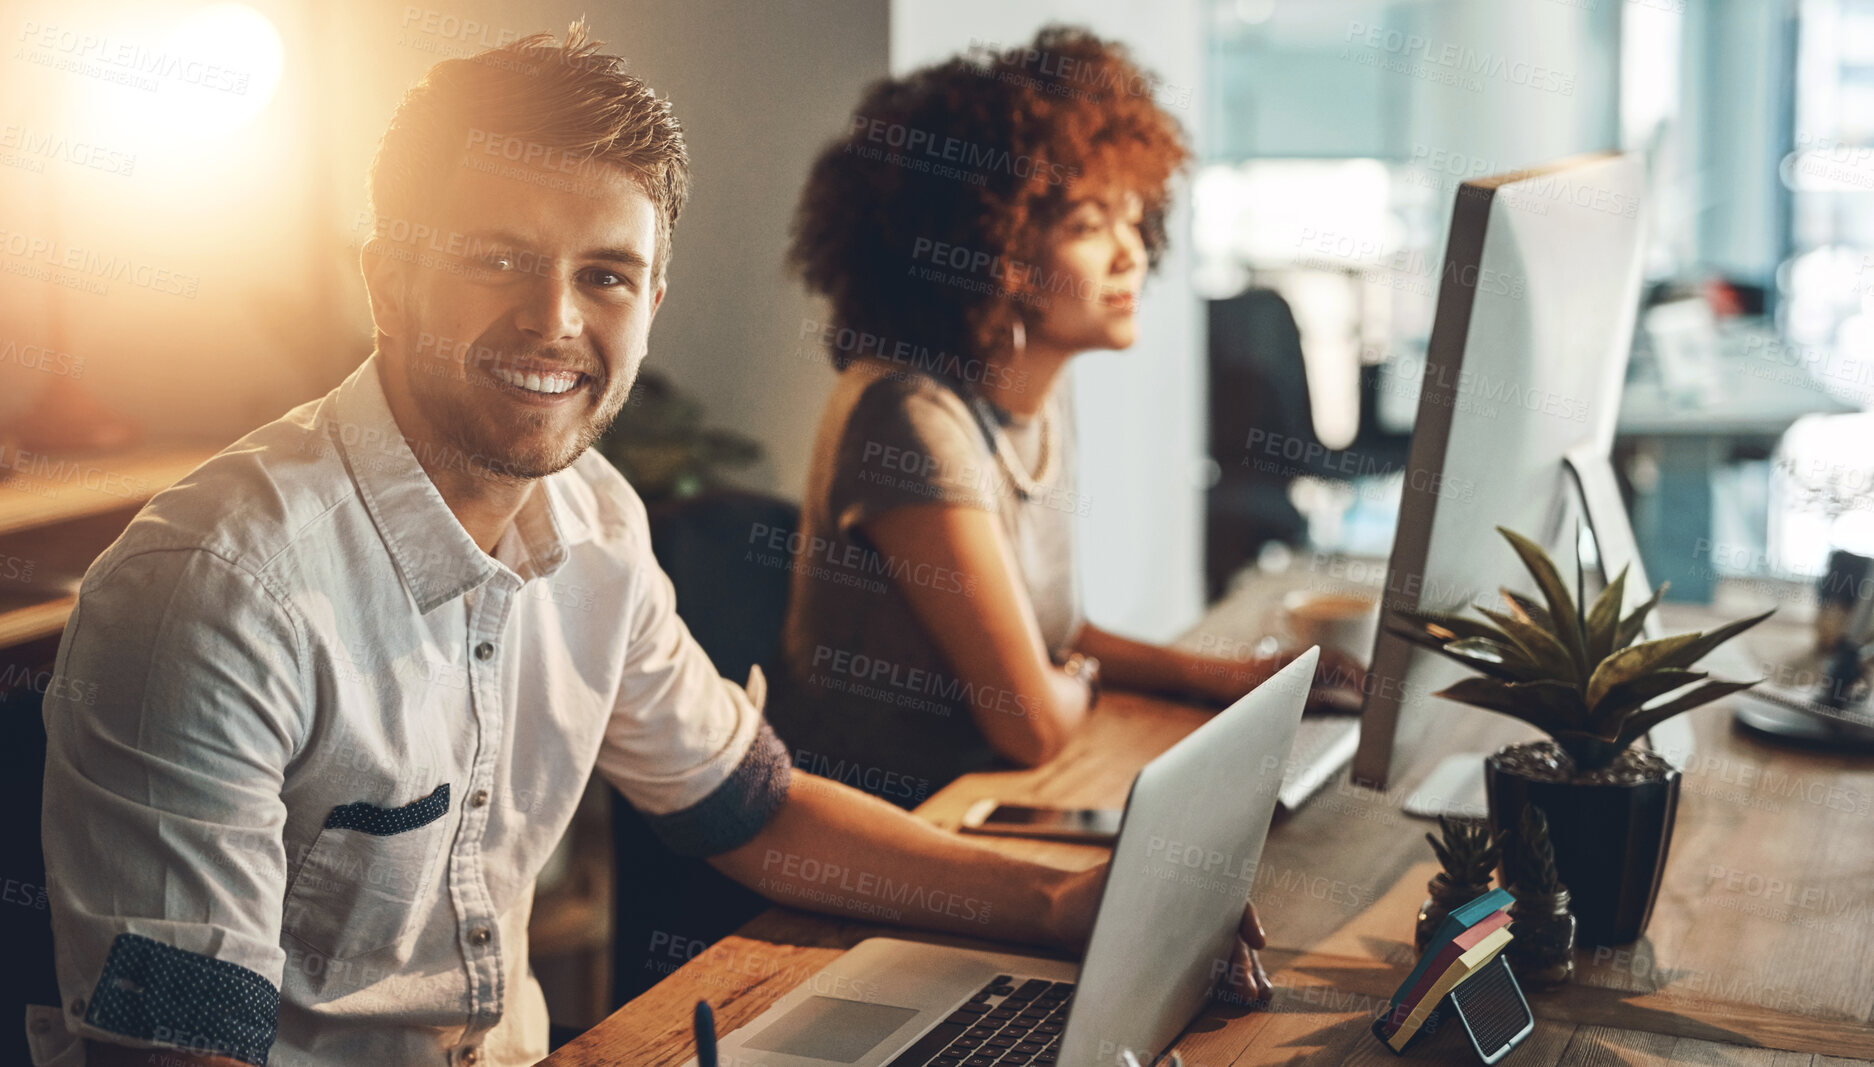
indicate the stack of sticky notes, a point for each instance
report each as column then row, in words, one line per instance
column 1470, row 937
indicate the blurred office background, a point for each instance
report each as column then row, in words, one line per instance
column 1331, row 134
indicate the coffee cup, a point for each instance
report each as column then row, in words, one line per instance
column 1344, row 622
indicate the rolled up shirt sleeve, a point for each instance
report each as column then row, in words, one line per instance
column 688, row 748
column 177, row 706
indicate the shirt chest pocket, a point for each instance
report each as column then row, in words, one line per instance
column 367, row 877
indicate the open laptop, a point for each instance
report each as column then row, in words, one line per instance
column 1182, row 868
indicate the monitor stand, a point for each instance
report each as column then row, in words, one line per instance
column 1778, row 713
column 1593, row 474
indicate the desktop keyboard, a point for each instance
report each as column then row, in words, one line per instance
column 1323, row 745
column 1004, row 1024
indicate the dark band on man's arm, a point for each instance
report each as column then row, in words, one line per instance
column 154, row 992
column 737, row 809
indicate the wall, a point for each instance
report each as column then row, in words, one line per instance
column 270, row 218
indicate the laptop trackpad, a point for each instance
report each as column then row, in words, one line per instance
column 831, row 1029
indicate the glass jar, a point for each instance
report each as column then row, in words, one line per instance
column 1542, row 929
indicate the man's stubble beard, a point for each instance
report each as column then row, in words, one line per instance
column 498, row 458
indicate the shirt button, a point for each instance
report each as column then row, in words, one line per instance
column 484, row 650
column 480, row 799
column 78, row 1007
column 480, row 936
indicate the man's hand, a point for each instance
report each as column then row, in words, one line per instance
column 1244, row 982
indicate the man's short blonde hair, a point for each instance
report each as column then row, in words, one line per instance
column 560, row 105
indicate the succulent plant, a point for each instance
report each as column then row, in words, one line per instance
column 1468, row 852
column 1573, row 671
column 1529, row 858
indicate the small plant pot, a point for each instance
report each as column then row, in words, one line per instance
column 1610, row 829
column 1445, row 895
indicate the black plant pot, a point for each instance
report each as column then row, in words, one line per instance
column 1610, row 839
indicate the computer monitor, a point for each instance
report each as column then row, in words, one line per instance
column 1523, row 373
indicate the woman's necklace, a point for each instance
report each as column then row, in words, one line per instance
column 1027, row 486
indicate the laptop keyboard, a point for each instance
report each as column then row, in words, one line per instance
column 1011, row 1022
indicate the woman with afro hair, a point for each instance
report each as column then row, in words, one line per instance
column 982, row 221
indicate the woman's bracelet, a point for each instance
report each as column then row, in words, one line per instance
column 1085, row 668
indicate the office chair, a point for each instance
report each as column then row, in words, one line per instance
column 25, row 917
column 666, row 906
column 1259, row 384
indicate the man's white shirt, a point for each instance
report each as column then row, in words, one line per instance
column 311, row 746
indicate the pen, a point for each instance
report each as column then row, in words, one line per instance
column 704, row 1022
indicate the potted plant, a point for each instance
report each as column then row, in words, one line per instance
column 1579, row 674
column 1466, row 857
column 1541, row 921
column 663, row 448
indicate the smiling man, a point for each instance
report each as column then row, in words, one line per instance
column 352, row 673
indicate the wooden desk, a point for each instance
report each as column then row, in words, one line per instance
column 1760, row 952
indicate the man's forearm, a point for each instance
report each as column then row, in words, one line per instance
column 834, row 849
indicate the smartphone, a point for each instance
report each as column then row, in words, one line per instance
column 1086, row 826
